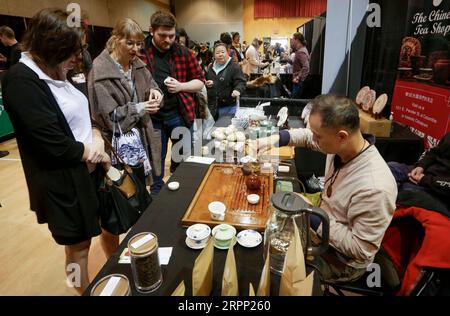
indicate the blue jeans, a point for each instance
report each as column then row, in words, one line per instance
column 297, row 90
column 227, row 110
column 166, row 127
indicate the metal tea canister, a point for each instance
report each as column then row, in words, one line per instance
column 112, row 285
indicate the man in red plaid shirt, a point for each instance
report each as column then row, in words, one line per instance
column 179, row 75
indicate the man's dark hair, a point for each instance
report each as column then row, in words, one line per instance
column 226, row 38
column 163, row 18
column 50, row 39
column 299, row 36
column 7, row 31
column 181, row 32
column 194, row 45
column 336, row 112
column 219, row 44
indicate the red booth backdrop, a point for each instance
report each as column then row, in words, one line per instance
column 289, row 8
column 421, row 97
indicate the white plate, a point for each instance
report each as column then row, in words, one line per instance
column 194, row 246
column 249, row 238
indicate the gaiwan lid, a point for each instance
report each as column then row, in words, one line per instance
column 224, row 232
column 198, row 231
column 142, row 243
column 112, row 285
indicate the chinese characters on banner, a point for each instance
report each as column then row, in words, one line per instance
column 423, row 107
column 421, row 97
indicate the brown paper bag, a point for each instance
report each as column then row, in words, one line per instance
column 179, row 291
column 264, row 282
column 202, row 273
column 293, row 280
column 230, row 285
column 251, row 290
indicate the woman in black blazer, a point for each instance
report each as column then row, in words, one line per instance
column 225, row 82
column 57, row 144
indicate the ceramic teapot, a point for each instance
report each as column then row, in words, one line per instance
column 253, row 182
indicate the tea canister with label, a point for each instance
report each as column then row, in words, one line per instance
column 145, row 264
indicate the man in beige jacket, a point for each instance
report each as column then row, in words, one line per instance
column 360, row 191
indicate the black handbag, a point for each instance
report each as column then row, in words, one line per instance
column 122, row 202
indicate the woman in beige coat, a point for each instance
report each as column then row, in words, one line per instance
column 122, row 91
column 254, row 63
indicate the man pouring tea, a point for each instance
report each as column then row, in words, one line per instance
column 359, row 192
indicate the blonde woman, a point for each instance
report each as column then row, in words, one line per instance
column 123, row 94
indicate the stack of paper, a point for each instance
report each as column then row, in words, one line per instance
column 201, row 160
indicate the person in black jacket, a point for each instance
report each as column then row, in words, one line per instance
column 232, row 52
column 59, row 148
column 8, row 39
column 431, row 173
column 225, row 82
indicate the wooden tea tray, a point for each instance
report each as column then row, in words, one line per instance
column 226, row 183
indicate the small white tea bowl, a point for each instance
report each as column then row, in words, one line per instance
column 173, row 186
column 253, row 198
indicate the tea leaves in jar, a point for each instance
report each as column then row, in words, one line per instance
column 145, row 262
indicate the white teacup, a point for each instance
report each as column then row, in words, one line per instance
column 167, row 80
column 198, row 235
column 217, row 210
column 253, row 198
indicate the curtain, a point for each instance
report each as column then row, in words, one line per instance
column 289, row 8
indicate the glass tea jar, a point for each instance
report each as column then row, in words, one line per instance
column 112, row 285
column 145, row 265
column 289, row 209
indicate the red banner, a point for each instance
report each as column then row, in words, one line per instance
column 422, row 91
column 424, row 107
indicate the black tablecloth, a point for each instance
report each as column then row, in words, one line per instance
column 281, row 87
column 295, row 106
column 403, row 145
column 163, row 217
column 293, row 121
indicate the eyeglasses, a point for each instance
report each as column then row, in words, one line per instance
column 131, row 44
